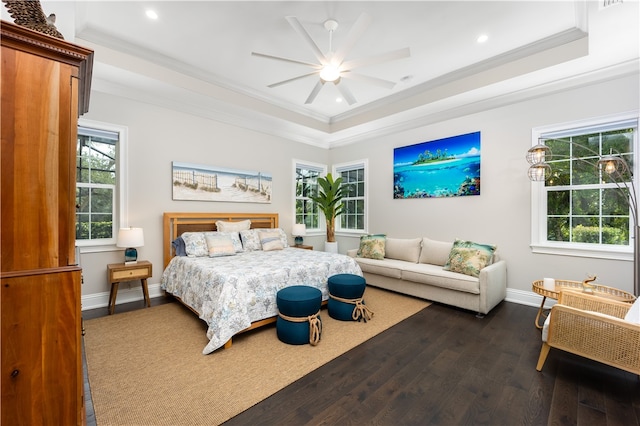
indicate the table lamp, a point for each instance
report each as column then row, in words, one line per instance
column 130, row 238
column 299, row 230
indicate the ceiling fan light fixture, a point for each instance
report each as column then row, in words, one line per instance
column 329, row 73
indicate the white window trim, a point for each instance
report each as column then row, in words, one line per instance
column 539, row 202
column 121, row 216
column 322, row 168
column 352, row 165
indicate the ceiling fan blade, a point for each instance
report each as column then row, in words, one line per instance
column 280, row 83
column 355, row 33
column 314, row 92
column 297, row 26
column 280, row 58
column 346, row 93
column 371, row 80
column 377, row 59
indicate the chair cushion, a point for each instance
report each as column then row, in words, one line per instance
column 633, row 315
column 407, row 249
column 435, row 252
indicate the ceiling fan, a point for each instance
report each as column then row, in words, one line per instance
column 332, row 66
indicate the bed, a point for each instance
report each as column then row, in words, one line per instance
column 235, row 293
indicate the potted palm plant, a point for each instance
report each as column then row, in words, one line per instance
column 329, row 201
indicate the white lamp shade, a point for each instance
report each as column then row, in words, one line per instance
column 130, row 237
column 299, row 230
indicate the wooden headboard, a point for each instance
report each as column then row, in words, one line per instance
column 174, row 224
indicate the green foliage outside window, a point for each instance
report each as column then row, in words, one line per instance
column 583, row 204
column 95, row 186
column 307, row 186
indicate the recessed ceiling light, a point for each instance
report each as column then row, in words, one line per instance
column 151, row 14
column 338, row 100
column 482, row 38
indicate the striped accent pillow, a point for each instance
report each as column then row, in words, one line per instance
column 271, row 240
column 219, row 245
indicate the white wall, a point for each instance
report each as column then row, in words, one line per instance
column 501, row 214
column 158, row 136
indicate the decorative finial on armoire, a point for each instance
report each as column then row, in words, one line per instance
column 29, row 14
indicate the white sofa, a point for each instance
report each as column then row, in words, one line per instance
column 415, row 267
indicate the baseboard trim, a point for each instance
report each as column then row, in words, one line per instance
column 125, row 295
column 101, row 300
column 528, row 298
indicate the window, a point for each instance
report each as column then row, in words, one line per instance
column 354, row 178
column 306, row 182
column 579, row 209
column 97, row 183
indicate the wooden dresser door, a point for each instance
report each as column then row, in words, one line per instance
column 38, row 161
column 42, row 379
column 45, row 84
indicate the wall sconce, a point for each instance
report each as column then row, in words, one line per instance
column 299, row 230
column 130, row 238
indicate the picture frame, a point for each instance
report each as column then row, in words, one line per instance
column 448, row 167
column 195, row 182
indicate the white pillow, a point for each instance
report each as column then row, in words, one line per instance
column 435, row 252
column 403, row 249
column 241, row 225
column 634, row 313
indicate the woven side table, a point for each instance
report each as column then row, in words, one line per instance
column 565, row 285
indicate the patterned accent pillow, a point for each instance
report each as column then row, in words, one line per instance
column 467, row 257
column 250, row 240
column 372, row 246
column 241, row 225
column 195, row 245
column 219, row 245
column 270, row 240
column 235, row 238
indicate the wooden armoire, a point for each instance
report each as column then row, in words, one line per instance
column 45, row 86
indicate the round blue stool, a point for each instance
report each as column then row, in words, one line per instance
column 345, row 298
column 298, row 319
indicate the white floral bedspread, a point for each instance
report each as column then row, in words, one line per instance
column 231, row 292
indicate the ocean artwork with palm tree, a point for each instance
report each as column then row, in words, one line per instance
column 448, row 167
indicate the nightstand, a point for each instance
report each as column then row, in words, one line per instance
column 120, row 272
column 302, row 246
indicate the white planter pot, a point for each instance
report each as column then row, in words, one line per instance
column 331, row 247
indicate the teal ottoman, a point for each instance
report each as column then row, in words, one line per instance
column 299, row 319
column 345, row 298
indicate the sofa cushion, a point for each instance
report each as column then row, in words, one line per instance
column 434, row 275
column 372, row 246
column 468, row 257
column 435, row 252
column 403, row 249
column 386, row 267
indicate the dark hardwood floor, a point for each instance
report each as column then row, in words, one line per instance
column 444, row 366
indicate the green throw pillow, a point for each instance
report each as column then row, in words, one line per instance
column 372, row 246
column 467, row 257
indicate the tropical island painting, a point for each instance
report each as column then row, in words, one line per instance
column 448, row 167
column 205, row 183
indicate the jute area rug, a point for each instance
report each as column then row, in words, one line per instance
column 146, row 367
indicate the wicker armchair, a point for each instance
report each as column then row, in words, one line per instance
column 577, row 325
